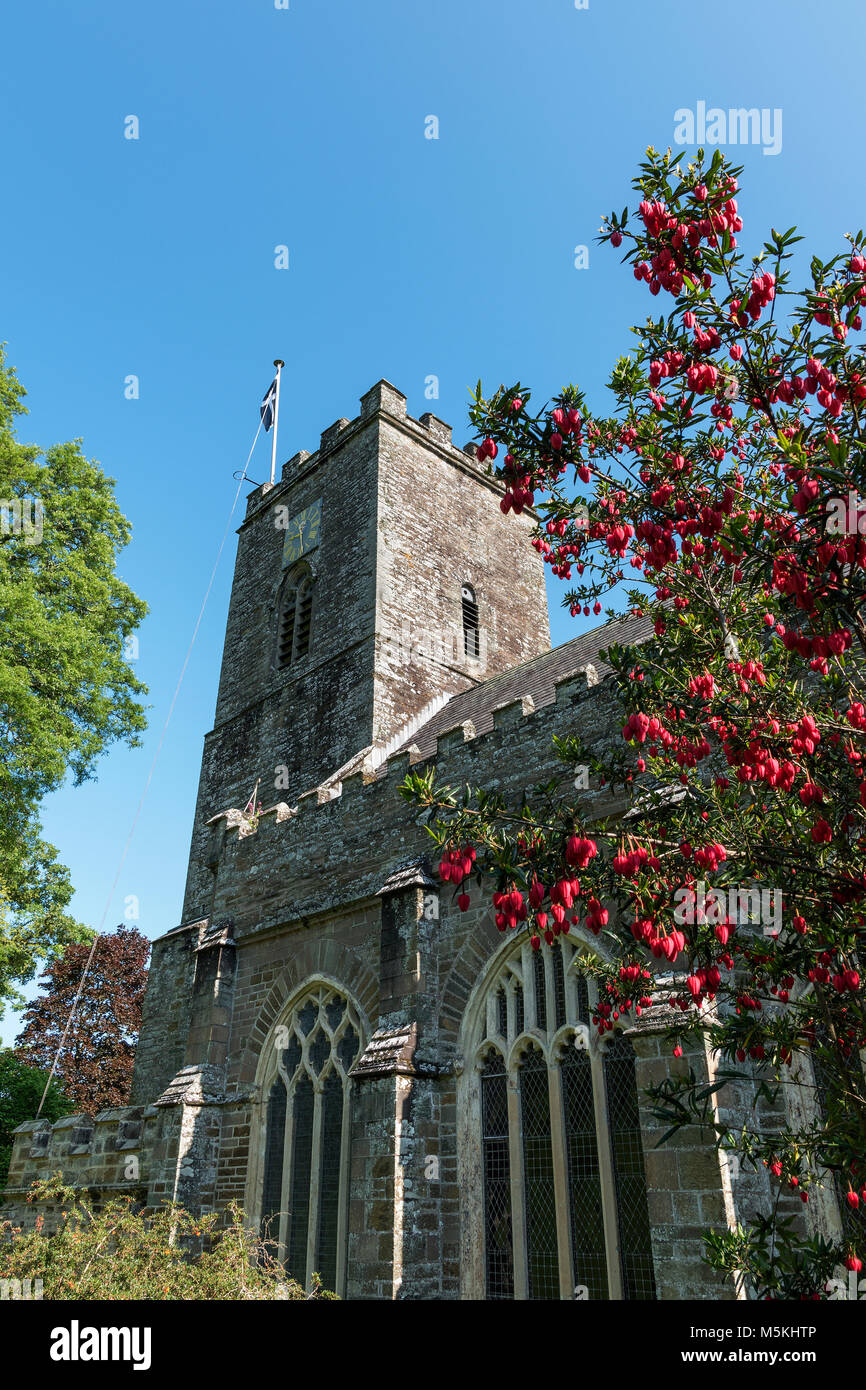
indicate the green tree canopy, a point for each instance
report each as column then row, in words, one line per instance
column 66, row 689
column 21, row 1088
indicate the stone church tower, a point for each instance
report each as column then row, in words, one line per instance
column 403, row 1099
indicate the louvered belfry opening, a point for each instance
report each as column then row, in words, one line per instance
column 304, row 615
column 296, row 618
column 287, row 630
column 471, row 645
column 560, row 1135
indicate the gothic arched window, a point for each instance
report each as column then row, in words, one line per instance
column 304, row 1184
column 471, row 645
column 296, row 612
column 562, row 1179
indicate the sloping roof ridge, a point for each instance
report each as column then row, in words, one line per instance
column 379, row 753
column 541, row 674
column 511, row 671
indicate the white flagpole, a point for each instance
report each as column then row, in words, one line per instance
column 279, row 366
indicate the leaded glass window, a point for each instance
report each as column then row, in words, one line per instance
column 499, row 1253
column 302, row 1167
column 538, row 1183
column 518, row 1007
column 502, row 1012
column 584, row 1179
column 304, row 1182
column 558, row 988
column 628, row 1170
column 540, row 991
column 273, row 1183
column 560, row 1134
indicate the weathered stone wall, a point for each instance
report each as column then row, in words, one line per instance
column 165, row 1016
column 440, row 527
column 687, row 1189
column 406, row 519
column 305, row 897
column 342, row 848
column 308, row 896
column 311, row 717
column 109, row 1154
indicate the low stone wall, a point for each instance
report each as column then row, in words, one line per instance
column 111, row 1153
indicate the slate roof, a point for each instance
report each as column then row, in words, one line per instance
column 537, row 678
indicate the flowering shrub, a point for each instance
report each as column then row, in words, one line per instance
column 720, row 500
column 120, row 1252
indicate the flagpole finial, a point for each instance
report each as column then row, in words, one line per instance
column 278, row 362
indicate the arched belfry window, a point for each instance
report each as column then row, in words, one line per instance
column 553, row 1135
column 471, row 643
column 305, row 1170
column 296, row 611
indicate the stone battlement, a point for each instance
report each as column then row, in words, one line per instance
column 107, row 1153
column 334, row 845
column 381, row 399
column 366, row 770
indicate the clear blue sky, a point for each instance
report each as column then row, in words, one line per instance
column 408, row 257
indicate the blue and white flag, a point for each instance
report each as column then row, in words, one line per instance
column 267, row 407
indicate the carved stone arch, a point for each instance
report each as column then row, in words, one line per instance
column 465, row 1000
column 489, row 1050
column 326, row 960
column 460, row 980
column 522, row 1044
column 308, row 565
column 471, row 960
column 266, row 1064
column 561, row 1041
column 288, row 580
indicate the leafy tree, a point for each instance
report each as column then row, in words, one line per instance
column 727, row 484
column 123, row 1251
column 66, row 690
column 21, row 1089
column 97, row 1055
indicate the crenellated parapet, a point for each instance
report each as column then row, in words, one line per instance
column 294, row 861
column 375, row 768
column 382, row 400
column 110, row 1153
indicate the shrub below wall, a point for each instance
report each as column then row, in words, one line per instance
column 121, row 1251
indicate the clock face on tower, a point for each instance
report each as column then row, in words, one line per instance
column 302, row 533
